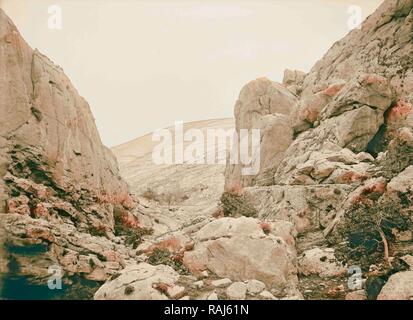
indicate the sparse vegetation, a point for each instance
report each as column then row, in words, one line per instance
column 98, row 231
column 368, row 232
column 127, row 225
column 235, row 203
column 129, row 290
column 165, row 198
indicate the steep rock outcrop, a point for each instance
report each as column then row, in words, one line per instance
column 382, row 46
column 344, row 180
column 262, row 105
column 59, row 186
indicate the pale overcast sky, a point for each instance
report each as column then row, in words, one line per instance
column 144, row 64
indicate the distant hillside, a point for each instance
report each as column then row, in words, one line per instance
column 201, row 184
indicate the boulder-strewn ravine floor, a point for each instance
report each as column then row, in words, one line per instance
column 329, row 215
column 333, row 196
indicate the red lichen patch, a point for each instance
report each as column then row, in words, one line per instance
column 123, row 199
column 126, row 219
column 368, row 194
column 235, row 190
column 266, row 227
column 18, row 205
column 332, row 90
column 172, row 245
column 162, row 287
column 218, row 213
column 41, row 211
column 335, row 292
column 398, row 112
column 310, row 113
column 376, row 188
column 351, row 177
column 195, row 266
column 373, row 79
column 111, row 256
column 40, row 234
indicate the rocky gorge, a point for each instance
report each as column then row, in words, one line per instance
column 329, row 215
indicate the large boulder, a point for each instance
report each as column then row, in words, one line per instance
column 307, row 207
column 243, row 249
column 320, row 262
column 139, row 282
column 398, row 287
column 293, row 81
column 261, row 97
column 262, row 105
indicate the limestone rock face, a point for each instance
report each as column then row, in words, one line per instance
column 263, row 105
column 403, row 182
column 344, row 179
column 307, row 207
column 44, row 116
column 365, row 90
column 383, row 46
column 139, row 282
column 240, row 250
column 293, row 80
column 57, row 180
column 261, row 97
column 399, row 287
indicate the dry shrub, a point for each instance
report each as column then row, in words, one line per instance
column 169, row 252
column 127, row 225
column 124, row 199
column 366, row 234
column 172, row 245
column 234, row 202
column 168, row 198
column 149, row 194
column 163, row 256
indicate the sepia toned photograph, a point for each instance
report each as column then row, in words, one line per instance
column 227, row 151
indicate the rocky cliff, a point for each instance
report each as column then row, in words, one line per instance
column 62, row 198
column 340, row 155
